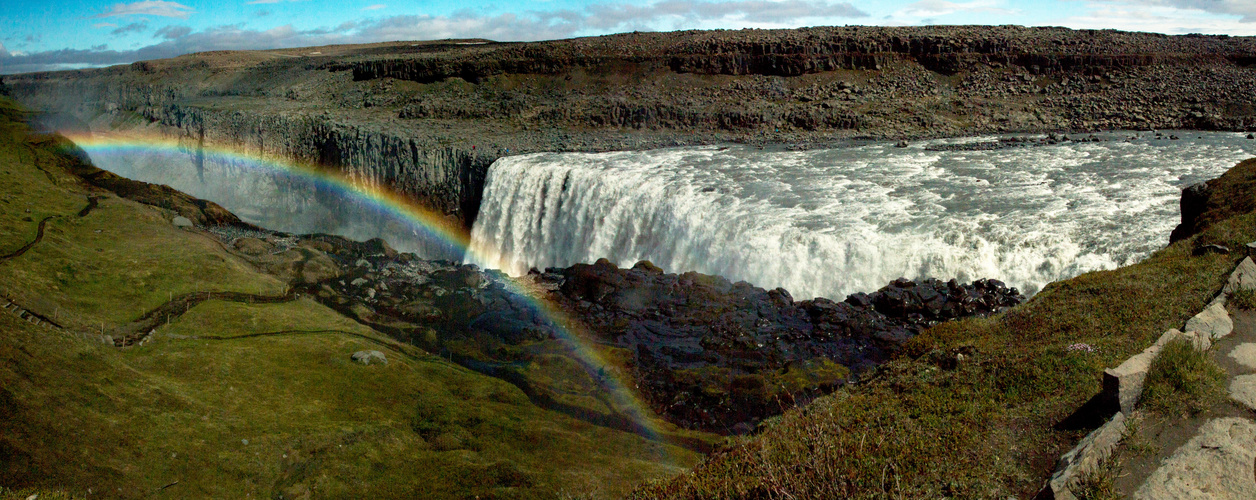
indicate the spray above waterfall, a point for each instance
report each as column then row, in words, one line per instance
column 833, row 222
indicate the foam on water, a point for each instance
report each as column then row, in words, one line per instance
column 833, row 222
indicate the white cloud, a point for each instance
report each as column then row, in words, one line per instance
column 1246, row 9
column 172, row 32
column 130, row 28
column 104, row 25
column 935, row 8
column 374, row 7
column 149, row 8
column 256, row 2
column 1156, row 18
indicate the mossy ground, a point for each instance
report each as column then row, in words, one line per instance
column 978, row 408
column 236, row 400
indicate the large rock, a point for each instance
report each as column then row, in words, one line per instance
column 368, row 357
column 1243, row 277
column 1124, row 384
column 1216, row 464
column 1193, row 203
column 1213, row 321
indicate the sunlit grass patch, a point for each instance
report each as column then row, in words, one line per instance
column 1183, row 381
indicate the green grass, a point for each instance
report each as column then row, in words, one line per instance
column 929, row 425
column 1101, row 484
column 1243, row 298
column 239, row 400
column 1183, row 381
column 24, row 494
column 109, row 267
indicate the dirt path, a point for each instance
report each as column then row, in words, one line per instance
column 1209, row 456
column 138, row 331
column 39, row 236
column 92, row 201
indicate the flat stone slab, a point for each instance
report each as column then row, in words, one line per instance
column 1244, row 276
column 1216, row 463
column 1213, row 321
column 1085, row 458
column 1124, row 384
column 1243, row 390
column 1245, row 354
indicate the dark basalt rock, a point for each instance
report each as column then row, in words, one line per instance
column 1193, row 203
column 703, row 352
column 1207, row 249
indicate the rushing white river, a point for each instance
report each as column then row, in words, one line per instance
column 836, row 221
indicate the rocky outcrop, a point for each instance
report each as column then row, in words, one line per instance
column 1219, row 199
column 1193, row 204
column 703, row 352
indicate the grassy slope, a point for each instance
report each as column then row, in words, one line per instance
column 981, row 425
column 77, row 415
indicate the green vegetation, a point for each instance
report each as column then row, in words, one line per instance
column 24, row 494
column 1244, row 299
column 1183, row 381
column 1100, row 485
column 971, row 410
column 235, row 400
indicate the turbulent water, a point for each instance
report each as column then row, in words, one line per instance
column 832, row 222
column 273, row 199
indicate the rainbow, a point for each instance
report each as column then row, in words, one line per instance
column 571, row 332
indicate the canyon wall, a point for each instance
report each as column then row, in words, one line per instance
column 426, row 119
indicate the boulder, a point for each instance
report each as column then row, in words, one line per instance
column 181, row 222
column 1192, row 205
column 1124, row 384
column 1213, row 321
column 368, row 357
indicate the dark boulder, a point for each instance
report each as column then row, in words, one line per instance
column 1193, row 203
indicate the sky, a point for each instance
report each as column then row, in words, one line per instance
column 41, row 35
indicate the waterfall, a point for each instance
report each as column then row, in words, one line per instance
column 832, row 222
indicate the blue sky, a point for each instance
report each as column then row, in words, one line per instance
column 38, row 35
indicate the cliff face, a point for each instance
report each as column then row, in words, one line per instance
column 427, row 119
